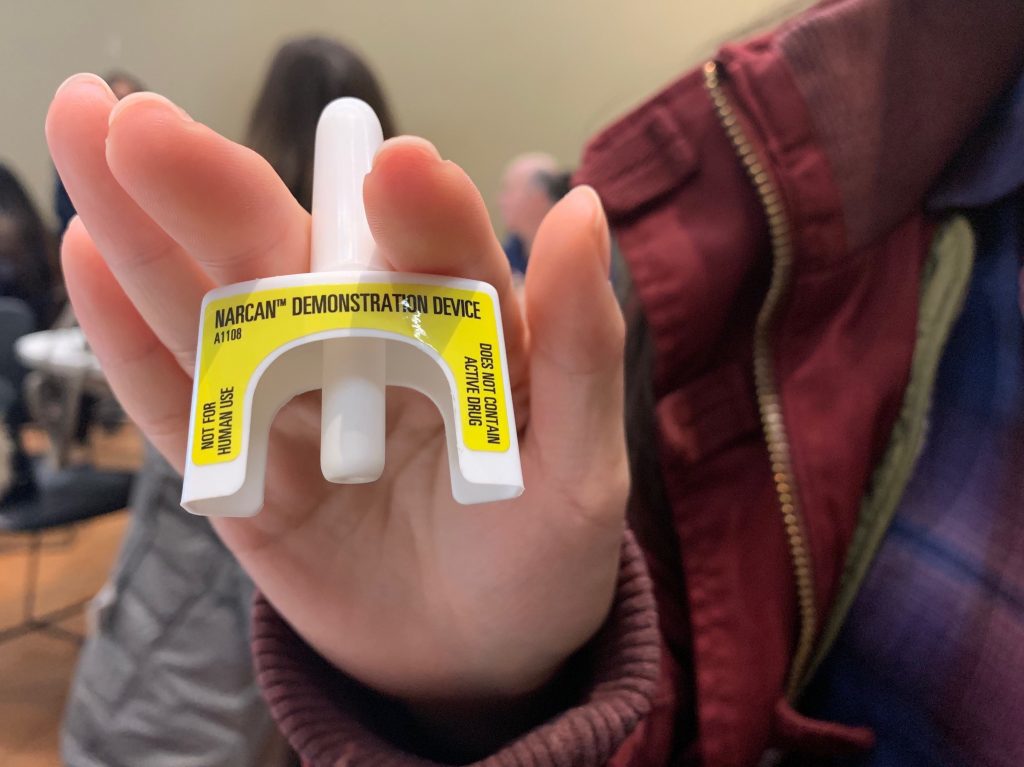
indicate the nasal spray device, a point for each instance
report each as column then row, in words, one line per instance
column 350, row 328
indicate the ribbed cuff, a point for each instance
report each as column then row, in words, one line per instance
column 330, row 719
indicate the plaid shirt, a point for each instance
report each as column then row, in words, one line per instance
column 932, row 655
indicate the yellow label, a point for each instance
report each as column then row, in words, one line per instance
column 239, row 332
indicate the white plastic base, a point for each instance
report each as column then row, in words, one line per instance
column 235, row 487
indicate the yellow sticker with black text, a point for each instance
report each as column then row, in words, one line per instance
column 241, row 331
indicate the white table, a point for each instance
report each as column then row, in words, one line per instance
column 64, row 355
column 62, row 352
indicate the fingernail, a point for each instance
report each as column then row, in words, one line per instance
column 410, row 141
column 74, row 223
column 146, row 97
column 585, row 201
column 85, row 78
column 584, row 197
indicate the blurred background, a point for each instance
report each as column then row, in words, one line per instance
column 483, row 80
column 510, row 91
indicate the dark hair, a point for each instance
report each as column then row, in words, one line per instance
column 31, row 276
column 555, row 185
column 120, row 76
column 304, row 77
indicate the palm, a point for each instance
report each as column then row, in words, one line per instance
column 404, row 561
column 392, row 581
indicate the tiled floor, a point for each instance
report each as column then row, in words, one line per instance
column 35, row 669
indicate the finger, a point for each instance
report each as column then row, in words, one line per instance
column 220, row 201
column 154, row 391
column 576, row 352
column 161, row 279
column 428, row 217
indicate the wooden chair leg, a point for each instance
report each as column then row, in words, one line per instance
column 31, row 577
column 47, row 622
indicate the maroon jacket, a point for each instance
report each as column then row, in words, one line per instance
column 768, row 206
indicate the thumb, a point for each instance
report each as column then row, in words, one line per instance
column 576, row 354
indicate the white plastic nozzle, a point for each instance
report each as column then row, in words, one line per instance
column 352, row 424
column 347, row 137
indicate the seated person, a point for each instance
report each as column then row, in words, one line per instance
column 26, row 252
column 530, row 186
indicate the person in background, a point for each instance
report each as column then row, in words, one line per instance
column 26, row 273
column 528, row 188
column 307, row 74
column 122, row 84
column 192, row 691
column 26, row 250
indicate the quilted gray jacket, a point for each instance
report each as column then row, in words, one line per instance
column 166, row 677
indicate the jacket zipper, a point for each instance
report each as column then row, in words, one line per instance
column 768, row 401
